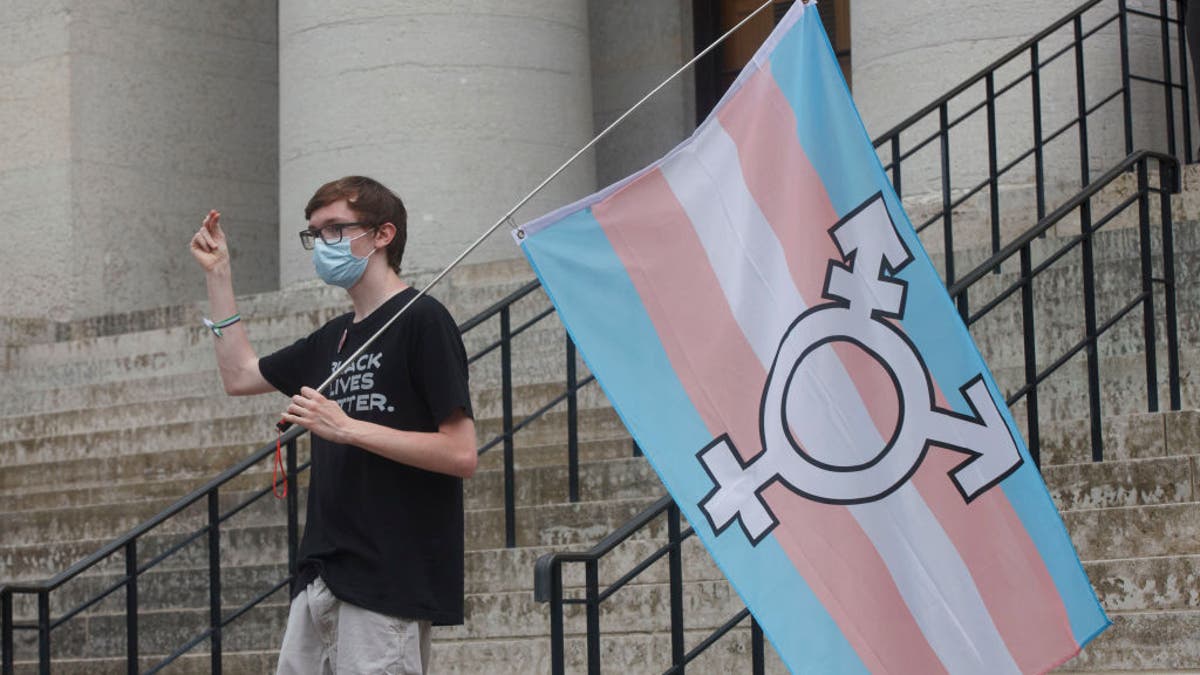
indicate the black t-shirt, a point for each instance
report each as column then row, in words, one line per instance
column 383, row 535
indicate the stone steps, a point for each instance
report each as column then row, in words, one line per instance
column 1144, row 572
column 169, row 476
column 624, row 478
column 33, row 540
column 1063, row 395
column 535, row 351
column 255, row 427
column 626, row 653
column 1159, row 642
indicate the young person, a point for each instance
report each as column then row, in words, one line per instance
column 381, row 558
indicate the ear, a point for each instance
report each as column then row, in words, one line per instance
column 385, row 233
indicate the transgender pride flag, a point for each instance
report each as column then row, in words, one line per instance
column 761, row 314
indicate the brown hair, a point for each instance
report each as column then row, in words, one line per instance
column 372, row 203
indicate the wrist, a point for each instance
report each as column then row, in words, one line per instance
column 219, row 270
column 352, row 433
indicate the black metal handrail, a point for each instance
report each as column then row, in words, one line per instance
column 127, row 544
column 1177, row 115
column 548, row 570
column 1089, row 224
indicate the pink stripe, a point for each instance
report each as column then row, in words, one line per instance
column 721, row 374
column 792, row 197
column 985, row 532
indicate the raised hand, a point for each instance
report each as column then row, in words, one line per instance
column 208, row 246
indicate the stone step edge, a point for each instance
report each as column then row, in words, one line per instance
column 254, row 473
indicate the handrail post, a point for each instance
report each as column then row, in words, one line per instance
column 510, row 508
column 675, row 564
column 131, row 608
column 592, row 595
column 1168, row 253
column 993, row 163
column 1030, row 348
column 214, row 579
column 1126, row 86
column 6, row 632
column 947, row 211
column 758, row 656
column 1184, row 82
column 1147, row 287
column 43, row 599
column 572, row 425
column 1088, row 271
column 1168, row 94
column 896, row 165
column 1081, row 102
column 557, row 636
column 293, row 512
column 1039, row 157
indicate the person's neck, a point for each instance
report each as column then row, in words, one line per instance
column 372, row 291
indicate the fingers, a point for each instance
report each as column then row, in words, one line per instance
column 204, row 241
column 212, row 223
column 310, row 393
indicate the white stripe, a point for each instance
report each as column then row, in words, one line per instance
column 748, row 261
column 934, row 583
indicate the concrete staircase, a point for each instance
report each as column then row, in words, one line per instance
column 109, row 421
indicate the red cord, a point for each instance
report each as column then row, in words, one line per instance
column 278, row 469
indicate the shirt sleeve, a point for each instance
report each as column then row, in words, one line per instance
column 440, row 364
column 283, row 369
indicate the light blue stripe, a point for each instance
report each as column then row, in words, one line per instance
column 837, row 144
column 601, row 309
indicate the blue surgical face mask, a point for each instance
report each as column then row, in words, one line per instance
column 337, row 265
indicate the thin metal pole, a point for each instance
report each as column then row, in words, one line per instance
column 993, row 164
column 1030, row 345
column 6, row 628
column 1168, row 254
column 293, row 513
column 1168, row 94
column 1126, row 83
column 675, row 564
column 506, row 403
column 758, row 656
column 1147, row 288
column 1039, row 159
column 214, row 581
column 896, row 165
column 557, row 638
column 507, row 217
column 1184, row 82
column 1089, row 322
column 572, row 426
column 131, row 608
column 43, row 632
column 592, row 595
column 947, row 211
column 1081, row 102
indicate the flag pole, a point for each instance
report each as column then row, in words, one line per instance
column 507, row 217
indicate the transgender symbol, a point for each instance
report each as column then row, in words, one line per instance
column 865, row 296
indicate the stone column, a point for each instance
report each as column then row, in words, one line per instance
column 121, row 123
column 460, row 107
column 635, row 46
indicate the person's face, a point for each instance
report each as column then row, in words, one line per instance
column 337, row 217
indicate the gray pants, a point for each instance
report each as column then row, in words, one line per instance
column 326, row 636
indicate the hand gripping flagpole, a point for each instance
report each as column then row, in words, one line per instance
column 507, row 217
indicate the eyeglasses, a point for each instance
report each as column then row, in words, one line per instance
column 330, row 234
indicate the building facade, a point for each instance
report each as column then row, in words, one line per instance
column 125, row 121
